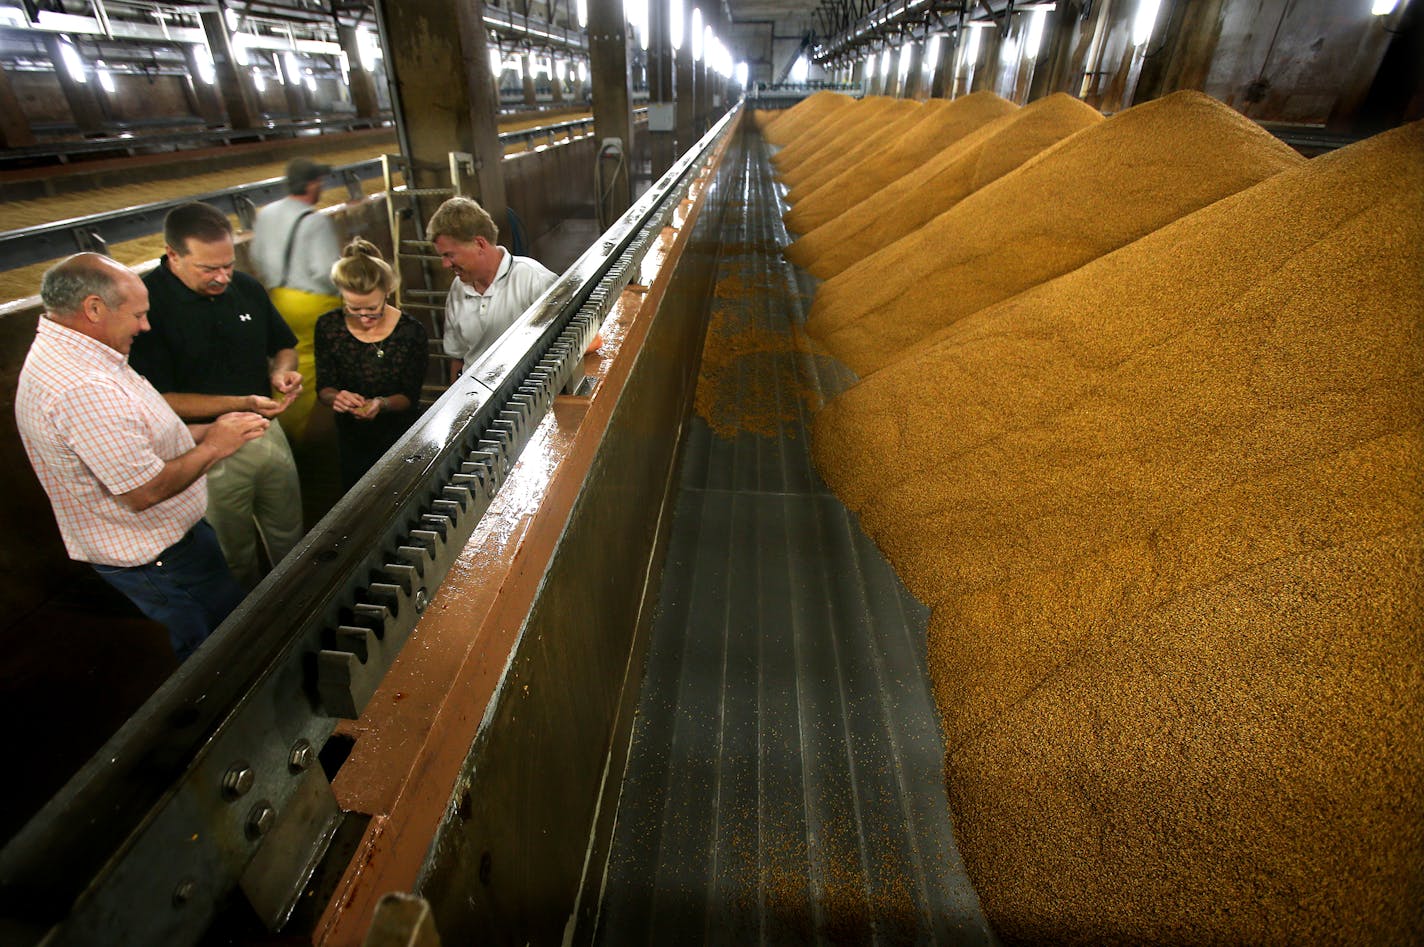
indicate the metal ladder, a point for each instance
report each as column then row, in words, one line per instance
column 409, row 209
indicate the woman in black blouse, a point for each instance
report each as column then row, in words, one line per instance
column 370, row 361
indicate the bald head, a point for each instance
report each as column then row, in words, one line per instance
column 98, row 296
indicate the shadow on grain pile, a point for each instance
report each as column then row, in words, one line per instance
column 781, row 127
column 1167, row 512
column 1092, row 193
column 938, row 183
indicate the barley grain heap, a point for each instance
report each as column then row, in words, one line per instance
column 812, row 135
column 1167, row 511
column 1092, row 193
column 824, row 198
column 840, row 136
column 781, row 127
column 808, row 178
column 979, row 158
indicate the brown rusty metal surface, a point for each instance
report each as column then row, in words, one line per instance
column 417, row 732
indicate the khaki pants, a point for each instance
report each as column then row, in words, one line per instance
column 255, row 494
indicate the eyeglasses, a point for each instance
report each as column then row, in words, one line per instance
column 367, row 311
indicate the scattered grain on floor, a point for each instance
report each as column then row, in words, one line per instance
column 905, row 205
column 1167, row 511
column 1099, row 190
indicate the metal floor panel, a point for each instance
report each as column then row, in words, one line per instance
column 784, row 784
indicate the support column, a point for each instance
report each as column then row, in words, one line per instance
column 363, row 85
column 210, row 102
column 986, row 71
column 556, row 82
column 234, row 84
column 1050, row 73
column 15, row 131
column 612, row 91
column 915, row 78
column 443, row 95
column 876, row 83
column 662, row 94
column 940, row 69
column 684, row 86
column 1192, row 31
column 526, row 69
column 84, row 103
column 702, row 96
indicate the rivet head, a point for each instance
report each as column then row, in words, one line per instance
column 238, row 780
column 260, row 820
column 301, row 756
column 422, row 599
column 184, row 892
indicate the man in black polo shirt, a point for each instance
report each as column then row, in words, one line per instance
column 218, row 345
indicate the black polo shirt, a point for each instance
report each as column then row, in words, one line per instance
column 209, row 345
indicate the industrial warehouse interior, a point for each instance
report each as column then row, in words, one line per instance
column 962, row 484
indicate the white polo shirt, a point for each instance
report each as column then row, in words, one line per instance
column 474, row 320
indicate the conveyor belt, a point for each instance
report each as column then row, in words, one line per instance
column 784, row 783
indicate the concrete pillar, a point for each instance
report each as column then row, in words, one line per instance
column 1188, row 38
column 556, row 82
column 363, row 84
column 443, row 95
column 205, row 94
column 15, row 131
column 83, row 97
column 684, row 85
column 526, row 69
column 702, row 95
column 233, row 83
column 612, row 91
column 662, row 93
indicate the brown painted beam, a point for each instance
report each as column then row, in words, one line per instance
column 233, row 83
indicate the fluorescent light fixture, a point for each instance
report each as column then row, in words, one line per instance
column 741, row 74
column 277, row 68
column 1384, row 7
column 1009, row 51
column 368, row 47
column 583, row 71
column 932, row 51
column 870, row 65
column 311, row 82
column 496, row 62
column 72, row 63
column 106, row 81
column 231, row 16
column 800, row 70
column 676, row 21
column 1145, row 19
column 709, row 41
column 240, row 53
column 294, row 68
column 259, row 81
column 1034, row 40
column 906, row 54
column 696, row 35
column 583, row 14
column 885, row 64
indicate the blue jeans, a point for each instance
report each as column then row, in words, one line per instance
column 188, row 588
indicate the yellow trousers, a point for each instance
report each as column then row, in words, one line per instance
column 301, row 310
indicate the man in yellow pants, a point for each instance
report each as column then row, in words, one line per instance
column 293, row 248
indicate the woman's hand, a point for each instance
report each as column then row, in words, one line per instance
column 348, row 402
column 370, row 409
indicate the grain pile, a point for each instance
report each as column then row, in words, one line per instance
column 782, row 127
column 844, row 131
column 1167, row 511
column 812, row 134
column 846, row 183
column 809, row 177
column 1099, row 190
column 922, row 194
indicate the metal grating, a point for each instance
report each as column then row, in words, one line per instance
column 784, row 783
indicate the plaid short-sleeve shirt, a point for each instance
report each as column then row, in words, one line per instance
column 94, row 429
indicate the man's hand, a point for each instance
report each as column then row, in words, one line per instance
column 348, row 402
column 267, row 407
column 287, row 382
column 230, row 431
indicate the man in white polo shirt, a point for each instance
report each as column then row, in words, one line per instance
column 492, row 288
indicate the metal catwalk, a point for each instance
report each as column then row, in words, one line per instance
column 784, row 784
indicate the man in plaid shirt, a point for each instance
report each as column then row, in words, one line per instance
column 122, row 471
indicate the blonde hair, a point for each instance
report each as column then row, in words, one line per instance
column 362, row 269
